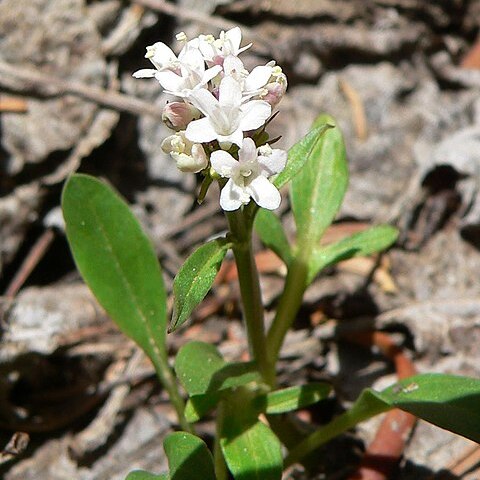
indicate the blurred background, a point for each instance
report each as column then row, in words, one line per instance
column 402, row 78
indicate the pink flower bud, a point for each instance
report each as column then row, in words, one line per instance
column 177, row 115
column 275, row 90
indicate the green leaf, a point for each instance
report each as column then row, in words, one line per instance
column 195, row 279
column 448, row 401
column 372, row 240
column 201, row 369
column 293, row 398
column 300, row 152
column 143, row 475
column 116, row 260
column 198, row 406
column 188, row 457
column 251, row 449
column 318, row 189
column 270, row 230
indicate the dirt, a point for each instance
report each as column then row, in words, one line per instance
column 401, row 78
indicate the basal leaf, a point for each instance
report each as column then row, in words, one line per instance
column 317, row 190
column 188, row 457
column 116, row 260
column 372, row 240
column 201, row 369
column 143, row 475
column 270, row 230
column 251, row 449
column 300, row 152
column 293, row 398
column 195, row 279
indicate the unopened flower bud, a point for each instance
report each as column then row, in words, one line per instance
column 177, row 115
column 275, row 90
column 190, row 157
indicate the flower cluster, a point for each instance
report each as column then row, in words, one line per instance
column 220, row 115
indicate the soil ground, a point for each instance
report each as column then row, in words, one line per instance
column 402, row 78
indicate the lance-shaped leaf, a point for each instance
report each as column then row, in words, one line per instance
column 251, row 449
column 116, row 260
column 201, row 369
column 143, row 475
column 448, row 401
column 372, row 240
column 317, row 190
column 188, row 457
column 293, row 398
column 270, row 230
column 195, row 279
column 301, row 152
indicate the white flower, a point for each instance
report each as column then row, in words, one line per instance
column 162, row 57
column 248, row 176
column 252, row 83
column 226, row 118
column 190, row 157
column 214, row 50
column 178, row 76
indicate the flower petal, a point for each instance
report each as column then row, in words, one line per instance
column 236, row 137
column 170, row 81
column 234, row 35
column 145, row 73
column 273, row 163
column 232, row 196
column 200, row 131
column 204, row 101
column 161, row 55
column 246, row 47
column 248, row 152
column 258, row 78
column 192, row 58
column 223, row 163
column 230, row 93
column 232, row 64
column 265, row 194
column 254, row 114
column 211, row 73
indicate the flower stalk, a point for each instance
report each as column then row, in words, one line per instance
column 241, row 230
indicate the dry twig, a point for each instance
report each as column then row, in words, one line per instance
column 26, row 79
column 30, row 262
column 12, row 104
column 358, row 110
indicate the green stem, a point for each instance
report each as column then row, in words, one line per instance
column 241, row 230
column 221, row 472
column 290, row 302
column 167, row 378
column 338, row 425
